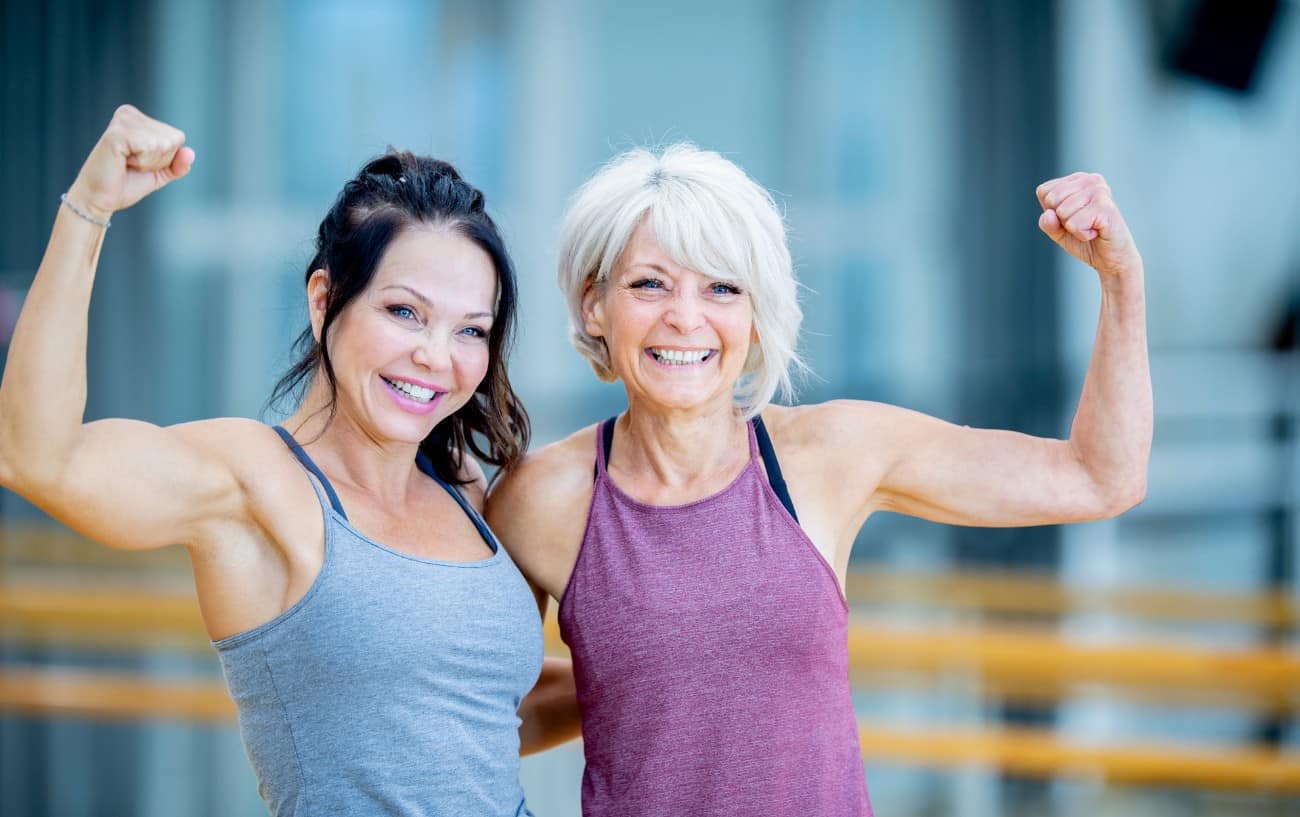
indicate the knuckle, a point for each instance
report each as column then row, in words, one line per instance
column 124, row 110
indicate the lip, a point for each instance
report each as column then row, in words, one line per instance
column 414, row 382
column 709, row 358
column 410, row 405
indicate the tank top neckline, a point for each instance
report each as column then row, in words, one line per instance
column 602, row 474
column 333, row 508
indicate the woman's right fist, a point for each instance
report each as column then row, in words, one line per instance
column 135, row 156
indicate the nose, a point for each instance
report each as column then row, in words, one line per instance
column 685, row 313
column 433, row 352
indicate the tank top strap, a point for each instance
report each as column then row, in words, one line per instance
column 760, row 438
column 422, row 462
column 307, row 463
column 760, row 447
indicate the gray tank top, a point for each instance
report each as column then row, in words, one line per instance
column 392, row 687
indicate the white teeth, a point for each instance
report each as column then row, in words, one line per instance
column 677, row 357
column 411, row 390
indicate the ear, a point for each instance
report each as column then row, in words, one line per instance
column 318, row 289
column 593, row 310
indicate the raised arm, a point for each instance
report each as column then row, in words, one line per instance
column 929, row 468
column 125, row 483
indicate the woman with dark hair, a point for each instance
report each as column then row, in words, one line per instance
column 379, row 642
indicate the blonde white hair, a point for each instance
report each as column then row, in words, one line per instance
column 709, row 216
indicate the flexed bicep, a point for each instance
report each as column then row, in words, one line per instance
column 134, row 485
column 894, row 459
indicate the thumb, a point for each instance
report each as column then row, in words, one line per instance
column 180, row 165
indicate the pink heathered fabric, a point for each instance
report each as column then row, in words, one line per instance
column 709, row 642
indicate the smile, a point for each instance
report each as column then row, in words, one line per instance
column 680, row 357
column 412, row 396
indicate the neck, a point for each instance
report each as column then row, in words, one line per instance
column 682, row 448
column 347, row 452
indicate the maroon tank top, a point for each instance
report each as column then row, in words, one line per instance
column 709, row 642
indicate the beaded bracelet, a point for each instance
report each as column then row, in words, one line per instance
column 106, row 223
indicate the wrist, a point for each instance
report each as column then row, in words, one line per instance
column 1127, row 279
column 93, row 215
column 86, row 204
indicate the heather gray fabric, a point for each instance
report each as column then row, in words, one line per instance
column 392, row 687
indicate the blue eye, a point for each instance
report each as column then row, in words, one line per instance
column 724, row 289
column 646, row 283
column 402, row 312
column 474, row 332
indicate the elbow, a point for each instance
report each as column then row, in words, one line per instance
column 27, row 475
column 1120, row 496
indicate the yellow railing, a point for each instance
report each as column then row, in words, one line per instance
column 1002, row 646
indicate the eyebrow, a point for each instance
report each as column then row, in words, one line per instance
column 429, row 304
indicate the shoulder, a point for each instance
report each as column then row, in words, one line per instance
column 539, row 508
column 252, row 450
column 230, row 437
column 265, row 491
column 552, row 477
column 255, row 456
column 543, row 500
column 813, row 423
column 840, row 429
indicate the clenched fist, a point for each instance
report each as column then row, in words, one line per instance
column 1080, row 215
column 135, row 156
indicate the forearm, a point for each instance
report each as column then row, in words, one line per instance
column 550, row 712
column 1111, row 435
column 43, row 393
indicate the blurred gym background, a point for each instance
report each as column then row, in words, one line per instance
column 1142, row 666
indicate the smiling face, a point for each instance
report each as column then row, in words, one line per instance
column 411, row 349
column 677, row 339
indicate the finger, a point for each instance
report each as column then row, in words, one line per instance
column 1051, row 225
column 181, row 163
column 1044, row 191
column 1073, row 203
column 1089, row 222
column 154, row 148
column 1052, row 192
column 147, row 143
column 179, row 166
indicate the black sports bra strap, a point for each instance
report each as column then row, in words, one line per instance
column 607, row 437
column 773, row 467
column 311, row 466
column 607, row 431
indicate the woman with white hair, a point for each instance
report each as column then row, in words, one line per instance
column 698, row 542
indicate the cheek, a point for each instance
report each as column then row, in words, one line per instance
column 631, row 328
column 472, row 363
